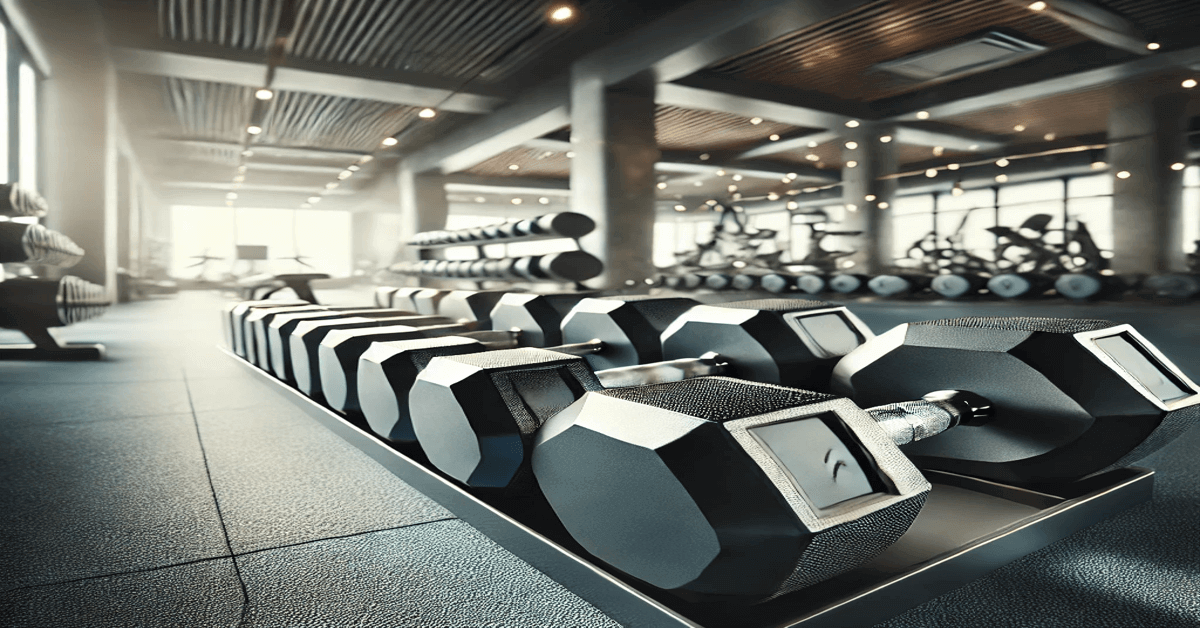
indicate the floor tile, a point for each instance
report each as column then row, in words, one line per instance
column 204, row 594
column 282, row 478
column 94, row 498
column 442, row 575
column 230, row 393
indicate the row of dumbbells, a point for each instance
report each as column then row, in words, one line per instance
column 950, row 286
column 763, row 452
column 565, row 266
column 559, row 225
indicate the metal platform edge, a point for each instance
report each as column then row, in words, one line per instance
column 632, row 608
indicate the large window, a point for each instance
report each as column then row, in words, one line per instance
column 1191, row 208
column 27, row 131
column 321, row 238
column 19, row 150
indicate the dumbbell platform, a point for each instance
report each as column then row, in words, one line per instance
column 967, row 528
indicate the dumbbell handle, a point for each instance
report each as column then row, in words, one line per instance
column 933, row 414
column 662, row 372
column 511, row 338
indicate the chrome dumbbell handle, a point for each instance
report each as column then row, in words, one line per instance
column 936, row 412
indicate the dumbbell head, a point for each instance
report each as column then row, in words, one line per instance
column 792, row 342
column 305, row 341
column 810, row 284
column 955, row 286
column 475, row 415
column 34, row 244
column 896, row 285
column 718, row 281
column 846, row 283
column 777, row 283
column 538, row 316
column 233, row 314
column 470, row 305
column 630, row 327
column 387, row 371
column 402, row 299
column 383, row 295
column 723, row 487
column 1014, row 285
column 339, row 352
column 1072, row 397
column 427, row 300
column 254, row 330
column 280, row 329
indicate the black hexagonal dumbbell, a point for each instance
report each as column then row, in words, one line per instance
column 722, row 487
column 232, row 315
column 257, row 326
column 475, row 415
column 1073, row 397
column 522, row 319
column 611, row 331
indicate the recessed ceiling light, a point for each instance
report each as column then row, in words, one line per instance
column 1038, row 6
column 704, row 156
column 774, row 137
column 1124, row 174
column 698, row 183
column 570, row 154
column 264, row 94
column 1178, row 166
column 1002, row 162
column 755, row 120
column 1018, row 128
column 720, row 173
column 352, row 168
column 772, row 196
column 851, row 164
column 869, row 198
column 514, row 167
column 543, row 200
column 792, row 176
column 516, row 201
column 885, row 138
column 1099, row 165
column 365, row 159
column 1001, row 178
column 952, row 167
column 931, row 173
column 1189, row 83
column 851, row 207
column 737, row 177
column 812, row 144
column 922, row 115
column 561, row 13
column 345, row 174
column 852, row 145
column 812, row 157
column 1049, row 137
column 662, row 185
column 1153, row 46
column 390, row 141
column 938, row 150
column 480, row 199
column 427, row 113
column 852, row 124
column 254, row 129
column 793, row 205
column 710, row 202
column 680, row 208
column 732, row 188
column 883, row 205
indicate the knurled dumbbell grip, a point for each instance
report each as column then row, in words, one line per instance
column 936, row 412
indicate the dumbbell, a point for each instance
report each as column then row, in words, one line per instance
column 847, row 283
column 898, row 284
column 18, row 201
column 811, row 284
column 281, row 326
column 611, row 331
column 470, row 308
column 233, row 313
column 475, row 415
column 34, row 244
column 257, row 325
column 1073, row 397
column 730, row 488
column 527, row 319
column 958, row 285
column 778, row 282
column 1019, row 285
column 29, row 304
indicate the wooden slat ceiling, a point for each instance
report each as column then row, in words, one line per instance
column 483, row 40
column 830, row 156
column 1169, row 22
column 530, row 162
column 835, row 57
column 687, row 129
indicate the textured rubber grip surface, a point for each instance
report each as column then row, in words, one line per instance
column 709, row 398
column 778, row 305
column 1024, row 323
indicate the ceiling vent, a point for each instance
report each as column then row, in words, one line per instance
column 988, row 51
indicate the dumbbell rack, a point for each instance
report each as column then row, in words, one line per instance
column 968, row 528
column 572, row 266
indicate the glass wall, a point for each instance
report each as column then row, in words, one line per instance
column 1191, row 208
column 322, row 239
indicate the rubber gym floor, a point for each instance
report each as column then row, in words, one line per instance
column 165, row 487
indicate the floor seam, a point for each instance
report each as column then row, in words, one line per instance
column 217, row 504
column 115, row 574
column 345, row 536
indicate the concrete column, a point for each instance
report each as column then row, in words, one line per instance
column 1147, row 133
column 612, row 176
column 872, row 159
column 423, row 207
column 76, row 111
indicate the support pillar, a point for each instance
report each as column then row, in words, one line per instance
column 872, row 159
column 1147, row 134
column 612, row 175
column 423, row 207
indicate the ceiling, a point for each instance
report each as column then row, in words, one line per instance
column 351, row 73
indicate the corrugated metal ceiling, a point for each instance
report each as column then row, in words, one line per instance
column 460, row 39
column 688, row 129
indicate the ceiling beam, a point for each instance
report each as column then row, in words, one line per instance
column 1095, row 23
column 272, row 150
column 1053, row 86
column 801, row 142
column 670, row 47
column 222, row 65
column 475, row 184
column 226, row 186
column 747, row 104
column 946, row 136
